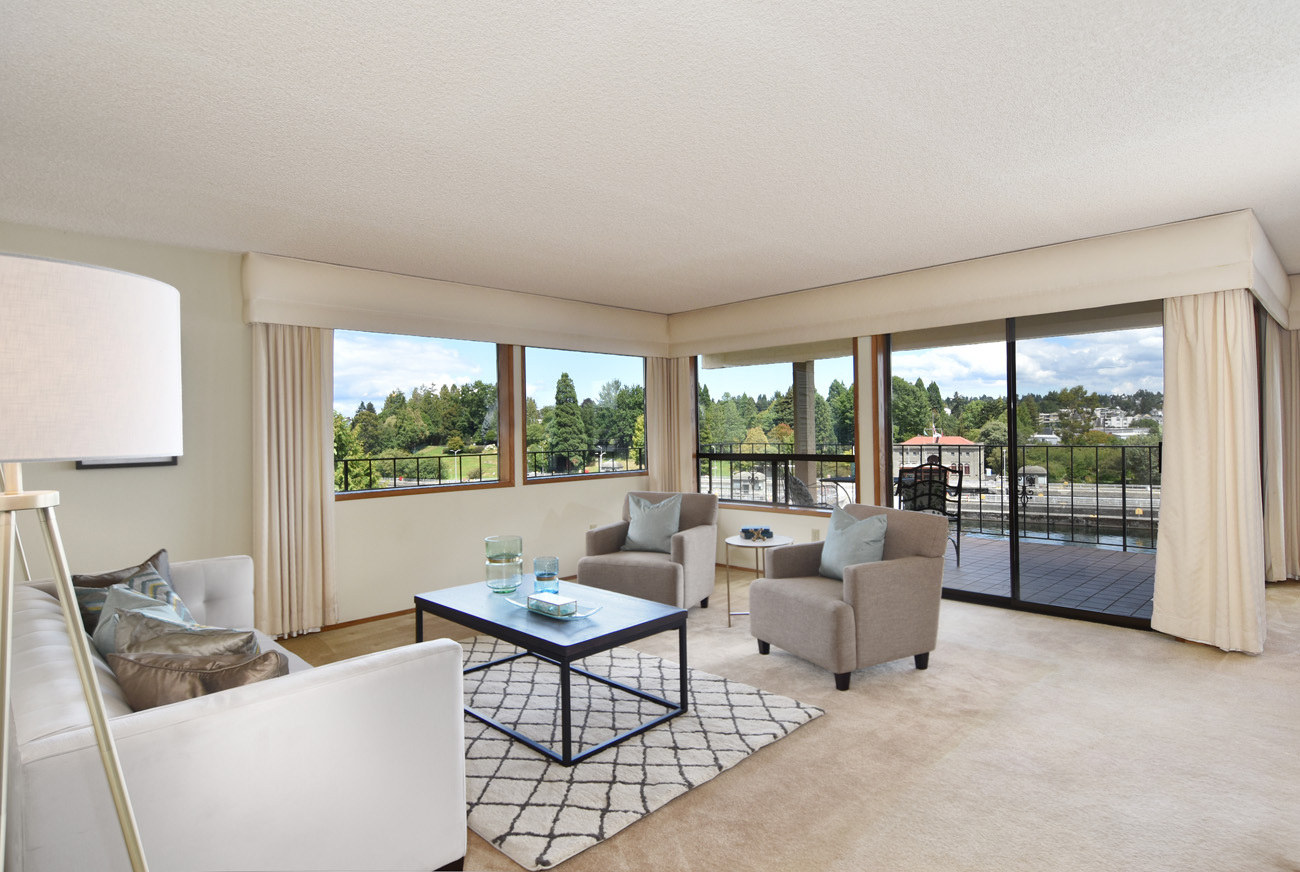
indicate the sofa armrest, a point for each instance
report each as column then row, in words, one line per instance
column 895, row 605
column 607, row 538
column 354, row 765
column 794, row 561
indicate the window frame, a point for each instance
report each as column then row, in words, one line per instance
column 505, row 443
column 526, row 479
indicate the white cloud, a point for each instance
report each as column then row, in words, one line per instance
column 1105, row 363
column 369, row 366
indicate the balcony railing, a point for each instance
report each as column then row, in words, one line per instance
column 773, row 475
column 383, row 473
column 1093, row 494
column 592, row 461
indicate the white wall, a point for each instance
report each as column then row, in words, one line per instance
column 111, row 518
column 391, row 548
column 388, row 548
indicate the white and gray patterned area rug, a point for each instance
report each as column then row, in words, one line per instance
column 540, row 813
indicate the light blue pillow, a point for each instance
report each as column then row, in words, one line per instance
column 652, row 525
column 850, row 541
column 150, row 582
column 122, row 598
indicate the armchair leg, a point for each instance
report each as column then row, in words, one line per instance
column 842, row 680
column 453, row 866
column 704, row 603
column 764, row 647
column 923, row 660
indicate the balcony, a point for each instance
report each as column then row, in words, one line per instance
column 773, row 475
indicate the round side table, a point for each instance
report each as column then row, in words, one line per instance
column 759, row 547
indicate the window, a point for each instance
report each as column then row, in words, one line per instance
column 411, row 412
column 584, row 413
column 778, row 434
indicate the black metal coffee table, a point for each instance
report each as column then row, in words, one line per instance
column 621, row 619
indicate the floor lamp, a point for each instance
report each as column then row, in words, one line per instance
column 90, row 368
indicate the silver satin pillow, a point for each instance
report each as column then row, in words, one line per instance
column 149, row 680
column 138, row 633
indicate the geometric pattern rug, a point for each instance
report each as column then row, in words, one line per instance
column 540, row 813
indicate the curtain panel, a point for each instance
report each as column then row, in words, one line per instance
column 293, row 471
column 1274, row 473
column 1282, row 452
column 1209, row 584
column 670, row 423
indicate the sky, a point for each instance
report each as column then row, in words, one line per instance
column 1117, row 362
column 367, row 366
column 768, row 378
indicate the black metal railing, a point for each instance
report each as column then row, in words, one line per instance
column 384, row 473
column 1094, row 494
column 591, row 461
column 778, row 476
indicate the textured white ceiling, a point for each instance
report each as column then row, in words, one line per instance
column 664, row 155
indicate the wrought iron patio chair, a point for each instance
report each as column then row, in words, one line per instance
column 928, row 487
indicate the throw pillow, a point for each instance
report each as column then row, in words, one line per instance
column 122, row 599
column 651, row 525
column 151, row 583
column 150, row 679
column 137, row 632
column 91, row 604
column 850, row 541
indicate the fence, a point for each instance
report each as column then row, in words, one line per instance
column 1094, row 494
column 590, row 461
column 380, row 473
column 773, row 475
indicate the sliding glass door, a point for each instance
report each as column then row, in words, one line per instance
column 1056, row 427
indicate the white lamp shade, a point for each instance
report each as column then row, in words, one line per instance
column 90, row 363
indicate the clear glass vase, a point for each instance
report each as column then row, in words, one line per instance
column 504, row 567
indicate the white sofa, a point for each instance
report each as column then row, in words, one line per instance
column 356, row 765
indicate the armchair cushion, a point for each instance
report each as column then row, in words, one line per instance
column 652, row 525
column 850, row 541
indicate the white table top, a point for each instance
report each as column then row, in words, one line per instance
column 741, row 542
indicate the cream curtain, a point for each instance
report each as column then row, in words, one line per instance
column 1274, row 475
column 1282, row 453
column 670, row 423
column 1209, row 584
column 293, row 518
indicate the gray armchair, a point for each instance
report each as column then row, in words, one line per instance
column 681, row 578
column 880, row 611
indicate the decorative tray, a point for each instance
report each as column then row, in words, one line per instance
column 582, row 612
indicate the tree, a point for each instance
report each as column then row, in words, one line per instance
column 346, row 446
column 823, row 423
column 394, row 404
column 534, row 430
column 782, row 433
column 993, row 435
column 840, row 399
column 567, row 433
column 1077, row 408
column 365, row 426
column 936, row 397
column 909, row 408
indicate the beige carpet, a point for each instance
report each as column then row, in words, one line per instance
column 1031, row 743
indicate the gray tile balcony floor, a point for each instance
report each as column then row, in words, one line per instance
column 1083, row 577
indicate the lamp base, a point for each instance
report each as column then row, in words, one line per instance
column 43, row 503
